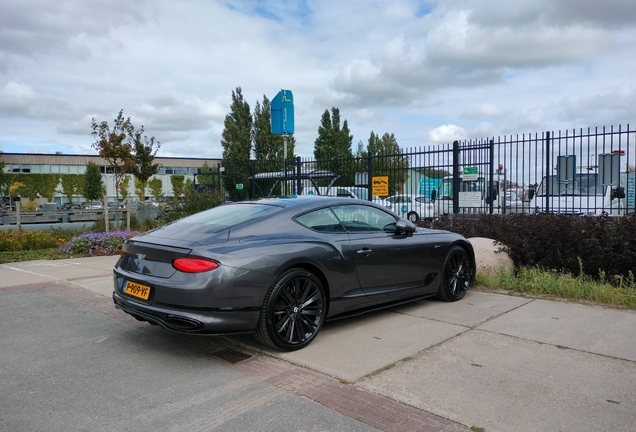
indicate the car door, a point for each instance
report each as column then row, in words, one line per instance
column 388, row 264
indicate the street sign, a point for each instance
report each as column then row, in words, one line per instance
column 470, row 199
column 609, row 168
column 566, row 169
column 282, row 113
column 470, row 173
column 380, row 186
column 239, row 186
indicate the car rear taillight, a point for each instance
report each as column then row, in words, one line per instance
column 194, row 265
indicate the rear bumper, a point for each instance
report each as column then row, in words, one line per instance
column 208, row 322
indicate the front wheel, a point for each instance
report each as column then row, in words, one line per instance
column 413, row 217
column 456, row 276
column 293, row 311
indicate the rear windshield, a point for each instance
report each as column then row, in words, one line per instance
column 230, row 215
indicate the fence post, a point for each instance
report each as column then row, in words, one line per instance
column 298, row 180
column 17, row 215
column 218, row 174
column 128, row 212
column 548, row 182
column 456, row 177
column 492, row 178
column 253, row 180
column 106, row 219
column 370, row 176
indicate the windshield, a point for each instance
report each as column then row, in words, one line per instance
column 446, row 187
column 585, row 185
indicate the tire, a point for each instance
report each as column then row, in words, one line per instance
column 413, row 217
column 457, row 275
column 293, row 311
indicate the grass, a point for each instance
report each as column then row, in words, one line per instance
column 33, row 255
column 550, row 283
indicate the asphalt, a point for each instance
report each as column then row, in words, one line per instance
column 495, row 361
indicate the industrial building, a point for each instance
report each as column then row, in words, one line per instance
column 58, row 163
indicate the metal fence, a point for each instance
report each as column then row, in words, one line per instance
column 583, row 172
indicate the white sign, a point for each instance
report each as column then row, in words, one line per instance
column 470, row 199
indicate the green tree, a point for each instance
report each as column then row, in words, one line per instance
column 71, row 185
column 156, row 187
column 28, row 186
column 14, row 188
column 145, row 150
column 206, row 176
column 237, row 143
column 47, row 184
column 332, row 148
column 93, row 188
column 111, row 145
column 4, row 178
column 124, row 187
column 388, row 159
column 140, row 189
column 268, row 146
column 177, row 182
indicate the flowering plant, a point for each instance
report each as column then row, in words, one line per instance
column 97, row 244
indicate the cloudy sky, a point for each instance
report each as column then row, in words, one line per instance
column 427, row 71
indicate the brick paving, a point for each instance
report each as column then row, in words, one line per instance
column 374, row 410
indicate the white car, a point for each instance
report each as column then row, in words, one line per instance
column 411, row 207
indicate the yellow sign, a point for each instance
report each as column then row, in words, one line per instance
column 381, row 186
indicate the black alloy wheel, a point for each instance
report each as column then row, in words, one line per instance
column 457, row 275
column 293, row 311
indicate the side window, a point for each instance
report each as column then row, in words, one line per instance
column 361, row 218
column 322, row 220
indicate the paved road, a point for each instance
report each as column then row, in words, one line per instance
column 70, row 361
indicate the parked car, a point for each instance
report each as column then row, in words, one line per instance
column 49, row 206
column 71, row 206
column 412, row 207
column 93, row 205
column 281, row 267
column 134, row 205
column 513, row 204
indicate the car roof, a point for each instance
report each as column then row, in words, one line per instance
column 305, row 201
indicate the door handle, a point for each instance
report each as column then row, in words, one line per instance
column 365, row 251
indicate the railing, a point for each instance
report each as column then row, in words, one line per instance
column 506, row 174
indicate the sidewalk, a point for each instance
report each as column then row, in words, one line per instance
column 495, row 361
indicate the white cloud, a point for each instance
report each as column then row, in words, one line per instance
column 399, row 66
column 447, row 133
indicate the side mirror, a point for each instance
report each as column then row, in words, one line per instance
column 619, row 192
column 404, row 226
column 433, row 195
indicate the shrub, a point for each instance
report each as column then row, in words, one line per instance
column 97, row 244
column 594, row 246
column 27, row 240
column 100, row 225
column 195, row 202
column 29, row 206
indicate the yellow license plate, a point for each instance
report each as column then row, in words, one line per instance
column 137, row 290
